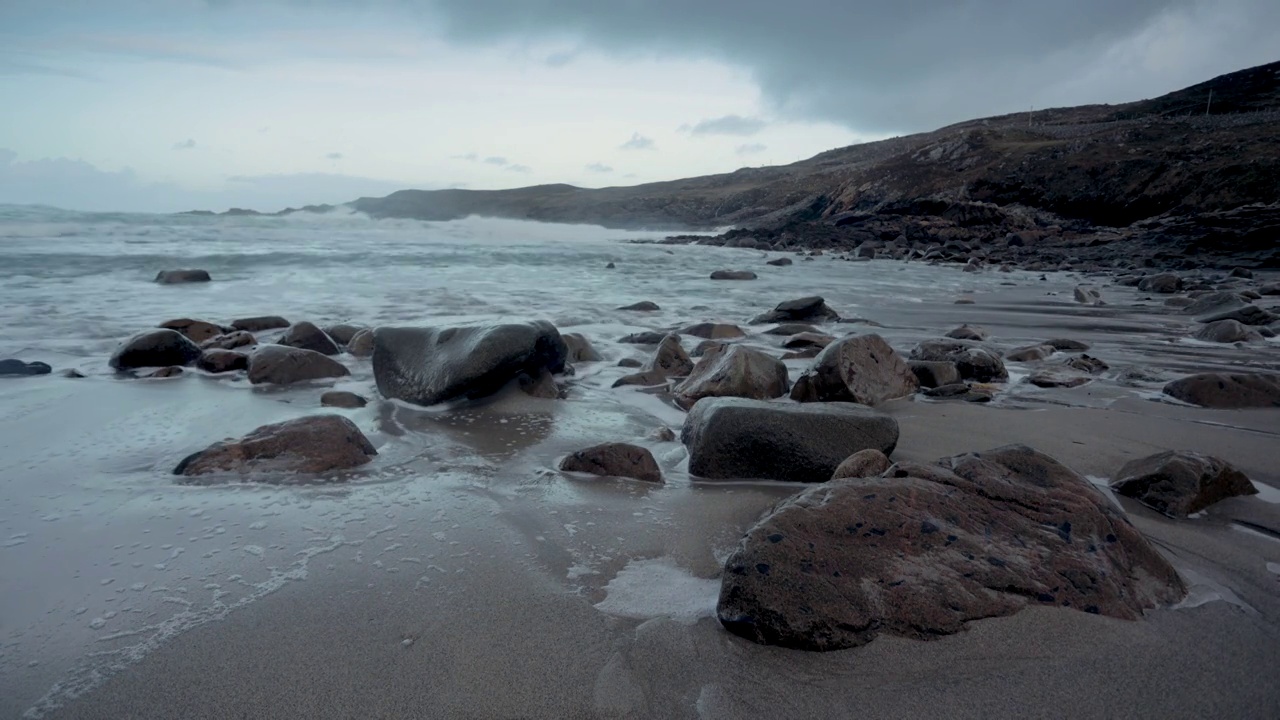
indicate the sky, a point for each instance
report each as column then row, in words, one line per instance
column 165, row 105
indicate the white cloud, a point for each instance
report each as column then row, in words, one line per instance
column 638, row 142
column 727, row 125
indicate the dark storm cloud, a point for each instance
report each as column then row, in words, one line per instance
column 638, row 142
column 728, row 125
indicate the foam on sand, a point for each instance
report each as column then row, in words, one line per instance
column 658, row 587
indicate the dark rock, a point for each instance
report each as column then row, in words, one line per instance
column 663, row 434
column 947, row 390
column 733, row 275
column 307, row 336
column 803, row 354
column 805, row 309
column 20, row 368
column 342, row 399
column 932, row 374
column 704, row 347
column 1247, row 314
column 643, row 338
column 361, row 344
column 426, row 366
column 1179, row 483
column 642, row 306
column 1031, row 353
column 229, row 341
column 861, row 369
column 1086, row 364
column 800, row 341
column 1227, row 390
column 740, row 438
column 644, row 378
column 155, row 348
column 580, row 348
column 315, row 444
column 259, row 324
column 1240, row 272
column 1226, row 331
column 733, row 371
column 974, row 361
column 1214, row 303
column 670, row 359
column 779, row 262
column 862, row 464
column 1057, row 378
column 72, row 373
column 197, row 331
column 714, row 331
column 175, row 277
column 541, row 385
column 1164, row 283
column 1066, row 345
column 1270, row 289
column 964, row 332
column 630, row 363
column 219, row 361
column 342, row 333
column 281, row 365
column 1088, row 296
column 924, row 549
column 791, row 329
column 615, row 460
column 610, row 266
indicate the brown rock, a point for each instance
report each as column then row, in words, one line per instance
column 965, row 332
column 1179, row 483
column 197, row 331
column 812, row 308
column 307, row 336
column 1057, row 378
column 714, row 331
column 165, row 372
column 733, row 275
column 220, row 361
column 804, row 340
column 932, row 374
column 361, row 344
column 343, row 332
column 630, row 363
column 705, row 347
column 663, row 434
column 615, row 460
column 1030, row 353
column 1227, row 390
column 861, row 369
column 1086, row 364
column 974, row 361
column 282, row 365
column 314, row 444
column 261, row 323
column 229, row 341
column 342, row 399
column 651, row 337
column 862, row 464
column 580, row 348
column 670, row 359
column 733, row 371
column 543, row 385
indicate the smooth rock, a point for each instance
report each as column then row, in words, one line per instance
column 1226, row 331
column 642, row 306
column 1247, row 315
column 18, row 368
column 1066, row 345
column 1030, row 353
column 197, row 331
column 165, row 372
column 733, row 371
column 615, row 460
column 643, row 338
column 1179, row 483
column 1086, row 364
column 219, row 361
column 670, row 359
column 714, row 331
column 974, row 361
column 965, row 332
column 800, row 341
column 779, row 262
column 260, row 323
column 1088, row 295
column 704, row 347
column 580, row 348
column 307, row 336
column 1057, row 378
column 177, row 277
column 812, row 308
column 281, row 365
column 342, row 333
column 342, row 399
column 155, row 348
column 630, row 363
column 934, row 373
column 791, row 329
column 541, row 385
column 361, row 344
column 861, row 369
column 314, row 444
column 733, row 275
column 862, row 464
column 1227, row 390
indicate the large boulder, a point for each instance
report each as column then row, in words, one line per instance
column 1227, row 390
column 924, row 549
column 733, row 371
column 18, row 367
column 1179, row 483
column 805, row 309
column 732, row 438
column 861, row 369
column 615, row 460
column 1226, row 331
column 426, row 366
column 1163, row 283
column 197, row 331
column 260, row 323
column 155, row 348
column 974, row 361
column 315, row 444
column 281, row 365
column 176, row 277
column 307, row 336
column 733, row 275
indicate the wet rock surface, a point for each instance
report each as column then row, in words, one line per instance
column 314, row 444
column 221, row 361
column 862, row 464
column 197, row 331
column 861, row 369
column 281, row 365
column 1227, row 390
column 307, row 336
column 1179, row 483
column 19, row 368
column 155, row 348
column 733, row 275
column 615, row 460
column 733, row 371
column 342, row 399
column 974, row 361
column 178, row 277
column 260, row 323
column 806, row 309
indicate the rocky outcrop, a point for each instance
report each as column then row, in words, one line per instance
column 342, row 399
column 197, row 331
column 1227, row 390
column 281, row 365
column 307, row 336
column 738, row 438
column 924, row 549
column 177, row 277
column 733, row 275
column 260, row 323
column 315, row 444
column 1179, row 483
column 805, row 309
column 974, row 361
column 221, row 361
column 155, row 348
column 361, row 344
column 13, row 368
column 426, row 366
column 862, row 464
column 733, row 371
column 615, row 460
column 580, row 348
column 861, row 369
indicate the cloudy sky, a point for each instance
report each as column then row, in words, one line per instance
column 172, row 104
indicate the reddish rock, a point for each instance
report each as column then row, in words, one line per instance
column 314, row 444
column 862, row 369
column 1179, row 483
column 615, row 460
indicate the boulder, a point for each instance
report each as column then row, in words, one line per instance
column 642, row 306
column 342, row 399
column 261, row 323
column 1240, row 272
column 670, row 358
column 1088, row 296
column 733, row 371
column 229, row 341
column 177, row 277
column 732, row 438
column 615, row 460
column 307, row 336
column 779, row 262
column 974, row 361
column 924, row 549
column 733, row 275
column 704, row 347
column 197, row 331
column 426, row 366
column 861, row 369
column 1226, row 331
column 1247, row 314
column 1066, row 345
column 219, row 361
column 801, row 341
column 20, row 368
column 610, row 266
column 1086, row 364
column 281, row 365
column 343, row 332
column 957, row 391
column 1227, row 390
column 644, row 378
column 1270, row 289
column 1163, row 283
column 643, row 338
column 933, row 373
column 155, row 348
column 314, row 444
column 1214, row 303
column 1057, row 378
column 862, row 464
column 580, row 348
column 630, row 363
column 812, row 308
column 1030, row 353
column 965, row 332
column 361, row 344
column 1179, row 483
column 714, row 331
column 791, row 329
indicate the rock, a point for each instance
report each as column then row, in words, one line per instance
column 1270, row 289
column 1179, row 483
column 933, row 373
column 307, row 336
column 812, row 308
column 1247, row 314
column 1214, row 303
column 1057, row 378
column 1226, row 331
column 804, row 354
column 951, row 390
column 791, row 329
column 704, row 347
column 14, row 368
column 740, row 438
column 800, row 341
column 1088, row 296
column 229, row 341
column 615, row 460
column 974, row 361
column 733, row 275
column 220, row 361
column 642, row 306
column 663, row 434
column 1240, row 272
column 1164, row 283
column 361, row 344
column 861, row 369
column 281, row 365
column 643, row 338
column 610, row 266
column 259, row 324
column 580, row 348
column 779, row 262
column 155, row 348
column 644, row 378
column 197, row 331
column 342, row 399
column 1086, row 364
column 964, row 332
column 964, row 301
column 342, row 333
column 924, row 549
column 1031, row 353
column 630, row 363
column 165, row 372
column 72, row 373
column 862, row 464
column 1227, row 390
column 542, row 385
column 426, row 366
column 733, row 371
column 1066, row 345
column 714, row 331
column 670, row 359
column 314, row 444
column 176, row 277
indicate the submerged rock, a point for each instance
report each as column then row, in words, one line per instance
column 307, row 336
column 668, row 361
column 155, row 348
column 426, row 366
column 789, row 329
column 1227, row 390
column 780, row 262
column 260, row 323
column 342, row 399
column 315, row 444
column 280, row 365
column 733, row 275
column 651, row 337
column 806, row 340
column 861, row 369
column 615, row 460
column 1066, row 345
column 642, row 306
column 1088, row 296
column 733, row 371
column 176, row 277
column 20, row 368
column 812, row 308
column 740, row 438
column 924, row 549
column 1179, row 483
